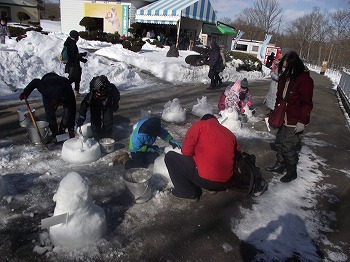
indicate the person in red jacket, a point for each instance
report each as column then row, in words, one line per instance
column 207, row 160
column 295, row 78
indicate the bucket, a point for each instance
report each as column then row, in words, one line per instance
column 137, row 181
column 107, row 145
column 43, row 127
column 24, row 117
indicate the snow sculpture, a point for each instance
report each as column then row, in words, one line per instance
column 173, row 112
column 86, row 223
column 229, row 119
column 247, row 111
column 81, row 150
column 202, row 107
column 86, row 130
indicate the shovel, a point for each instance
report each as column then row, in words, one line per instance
column 34, row 123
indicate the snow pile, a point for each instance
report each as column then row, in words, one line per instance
column 87, row 221
column 174, row 112
column 229, row 119
column 202, row 107
column 81, row 150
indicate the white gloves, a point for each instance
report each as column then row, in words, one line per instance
column 299, row 128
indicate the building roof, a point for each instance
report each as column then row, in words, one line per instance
column 29, row 3
column 170, row 11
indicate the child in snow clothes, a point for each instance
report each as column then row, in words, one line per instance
column 141, row 147
column 4, row 31
column 236, row 96
column 103, row 100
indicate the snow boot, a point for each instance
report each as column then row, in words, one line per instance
column 278, row 167
column 291, row 174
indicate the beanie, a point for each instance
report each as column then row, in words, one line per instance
column 244, row 83
column 74, row 34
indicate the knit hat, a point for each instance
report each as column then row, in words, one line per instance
column 244, row 83
column 74, row 34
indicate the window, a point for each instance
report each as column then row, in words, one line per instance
column 255, row 48
column 241, row 47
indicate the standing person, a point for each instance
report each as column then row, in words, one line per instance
column 103, row 100
column 141, row 147
column 73, row 67
column 270, row 59
column 4, row 31
column 214, row 63
column 56, row 91
column 295, row 80
column 270, row 98
column 203, row 163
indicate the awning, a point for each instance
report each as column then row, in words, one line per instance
column 226, row 30
column 210, row 29
column 170, row 11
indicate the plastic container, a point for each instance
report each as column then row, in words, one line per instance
column 137, row 182
column 107, row 145
column 24, row 117
column 43, row 127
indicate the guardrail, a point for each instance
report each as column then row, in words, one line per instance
column 344, row 90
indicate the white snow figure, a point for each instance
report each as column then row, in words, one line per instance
column 229, row 119
column 81, row 150
column 202, row 107
column 86, row 223
column 173, row 112
column 247, row 111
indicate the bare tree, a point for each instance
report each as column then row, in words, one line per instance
column 267, row 14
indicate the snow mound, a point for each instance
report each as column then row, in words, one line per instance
column 86, row 223
column 230, row 119
column 202, row 107
column 81, row 150
column 174, row 112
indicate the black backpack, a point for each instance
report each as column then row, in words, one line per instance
column 247, row 176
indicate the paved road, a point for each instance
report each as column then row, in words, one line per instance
column 196, row 232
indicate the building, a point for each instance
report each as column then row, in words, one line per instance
column 10, row 8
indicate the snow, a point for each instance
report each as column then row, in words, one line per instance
column 278, row 218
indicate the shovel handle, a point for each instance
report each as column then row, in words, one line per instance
column 34, row 122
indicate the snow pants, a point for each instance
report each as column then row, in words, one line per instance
column 184, row 175
column 101, row 121
column 287, row 144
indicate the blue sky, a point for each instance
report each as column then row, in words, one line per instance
column 291, row 8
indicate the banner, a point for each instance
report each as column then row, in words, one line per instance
column 266, row 41
column 237, row 38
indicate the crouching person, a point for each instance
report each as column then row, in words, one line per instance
column 142, row 149
column 203, row 163
column 103, row 100
column 56, row 91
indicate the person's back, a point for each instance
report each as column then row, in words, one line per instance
column 56, row 87
column 213, row 148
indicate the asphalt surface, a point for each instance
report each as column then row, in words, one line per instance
column 195, row 232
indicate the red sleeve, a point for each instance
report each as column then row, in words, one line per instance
column 190, row 141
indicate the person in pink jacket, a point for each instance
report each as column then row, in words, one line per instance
column 203, row 164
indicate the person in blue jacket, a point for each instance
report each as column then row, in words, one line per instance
column 141, row 145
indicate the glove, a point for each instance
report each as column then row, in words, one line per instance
column 71, row 134
column 299, row 128
column 84, row 54
column 175, row 143
column 84, row 60
column 80, row 121
column 22, row 96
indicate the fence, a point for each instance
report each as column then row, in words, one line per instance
column 344, row 90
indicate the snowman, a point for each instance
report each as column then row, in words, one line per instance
column 230, row 119
column 174, row 112
column 86, row 222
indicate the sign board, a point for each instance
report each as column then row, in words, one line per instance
column 55, row 220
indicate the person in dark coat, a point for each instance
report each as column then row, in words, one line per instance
column 294, row 79
column 103, row 100
column 214, row 63
column 73, row 67
column 141, row 147
column 270, row 59
column 56, row 91
column 4, row 31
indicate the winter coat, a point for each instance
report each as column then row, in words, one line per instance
column 215, row 57
column 213, row 148
column 4, row 31
column 110, row 100
column 299, row 104
column 270, row 98
column 73, row 67
column 145, row 134
column 236, row 97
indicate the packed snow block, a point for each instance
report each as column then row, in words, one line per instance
column 81, row 150
column 230, row 119
column 174, row 112
column 202, row 107
column 86, row 223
